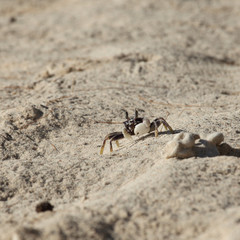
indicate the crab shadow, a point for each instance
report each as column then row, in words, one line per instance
column 152, row 134
column 205, row 149
column 235, row 152
column 202, row 148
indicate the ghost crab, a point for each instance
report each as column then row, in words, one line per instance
column 135, row 126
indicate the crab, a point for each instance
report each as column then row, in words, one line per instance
column 135, row 126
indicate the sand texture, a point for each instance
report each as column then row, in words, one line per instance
column 68, row 69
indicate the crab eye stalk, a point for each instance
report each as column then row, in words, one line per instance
column 136, row 113
column 126, row 114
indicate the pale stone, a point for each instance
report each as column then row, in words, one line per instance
column 215, row 138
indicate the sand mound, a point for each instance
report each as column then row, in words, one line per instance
column 68, row 69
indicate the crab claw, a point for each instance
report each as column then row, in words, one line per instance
column 143, row 127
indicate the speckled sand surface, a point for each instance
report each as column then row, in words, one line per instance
column 65, row 66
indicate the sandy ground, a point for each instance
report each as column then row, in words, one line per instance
column 69, row 66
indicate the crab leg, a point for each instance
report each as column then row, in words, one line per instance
column 115, row 136
column 102, row 147
column 167, row 126
column 117, row 143
column 108, row 137
column 157, row 122
column 156, row 128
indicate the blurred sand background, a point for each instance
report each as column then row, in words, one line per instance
column 69, row 66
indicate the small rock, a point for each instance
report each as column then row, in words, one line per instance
column 181, row 146
column 215, row 138
column 44, row 206
column 187, row 139
column 12, row 19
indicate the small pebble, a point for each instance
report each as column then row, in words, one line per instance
column 44, row 206
column 12, row 19
column 216, row 138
